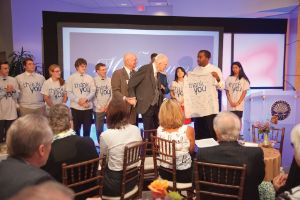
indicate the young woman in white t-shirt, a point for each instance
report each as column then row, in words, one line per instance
column 172, row 128
column 236, row 87
column 53, row 89
column 177, row 89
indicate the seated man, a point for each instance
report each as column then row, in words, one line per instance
column 230, row 152
column 28, row 141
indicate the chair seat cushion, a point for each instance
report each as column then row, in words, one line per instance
column 128, row 194
column 180, row 186
column 149, row 163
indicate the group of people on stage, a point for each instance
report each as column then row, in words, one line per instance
column 142, row 90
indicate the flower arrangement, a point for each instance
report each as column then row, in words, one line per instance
column 263, row 127
column 159, row 190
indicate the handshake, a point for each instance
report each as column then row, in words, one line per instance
column 131, row 100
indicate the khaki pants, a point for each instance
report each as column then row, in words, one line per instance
column 24, row 111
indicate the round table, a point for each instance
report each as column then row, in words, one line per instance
column 272, row 160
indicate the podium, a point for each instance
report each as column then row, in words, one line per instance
column 261, row 106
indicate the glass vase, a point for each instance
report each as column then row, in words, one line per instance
column 266, row 142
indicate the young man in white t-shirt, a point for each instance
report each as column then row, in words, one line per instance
column 81, row 90
column 9, row 92
column 102, row 97
column 204, row 125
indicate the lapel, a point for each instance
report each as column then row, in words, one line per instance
column 152, row 77
column 124, row 74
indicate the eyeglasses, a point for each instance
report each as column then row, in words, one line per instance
column 57, row 71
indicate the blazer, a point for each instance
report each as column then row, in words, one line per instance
column 164, row 81
column 119, row 86
column 142, row 85
column 293, row 178
column 232, row 153
column 16, row 174
column 70, row 150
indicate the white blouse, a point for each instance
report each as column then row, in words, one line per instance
column 183, row 157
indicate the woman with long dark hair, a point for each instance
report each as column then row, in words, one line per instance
column 236, row 87
column 177, row 89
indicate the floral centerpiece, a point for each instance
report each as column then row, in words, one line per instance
column 265, row 128
column 159, row 191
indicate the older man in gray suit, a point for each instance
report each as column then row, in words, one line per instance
column 119, row 83
column 145, row 86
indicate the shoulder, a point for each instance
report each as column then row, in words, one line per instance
column 145, row 67
column 20, row 76
column 118, row 71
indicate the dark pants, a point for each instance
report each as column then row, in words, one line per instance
column 150, row 118
column 99, row 123
column 204, row 127
column 182, row 176
column 4, row 126
column 84, row 117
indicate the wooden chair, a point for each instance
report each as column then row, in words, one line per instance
column 133, row 169
column 164, row 152
column 219, row 181
column 149, row 173
column 84, row 178
column 276, row 135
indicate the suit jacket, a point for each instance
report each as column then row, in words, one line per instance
column 164, row 81
column 142, row 85
column 71, row 149
column 293, row 178
column 231, row 153
column 16, row 174
column 119, row 86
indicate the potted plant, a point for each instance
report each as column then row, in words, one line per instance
column 16, row 64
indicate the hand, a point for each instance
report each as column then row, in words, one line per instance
column 9, row 88
column 279, row 181
column 82, row 101
column 131, row 100
column 162, row 87
column 216, row 76
column 86, row 105
column 102, row 109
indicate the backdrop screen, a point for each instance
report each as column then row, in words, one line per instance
column 262, row 56
column 108, row 45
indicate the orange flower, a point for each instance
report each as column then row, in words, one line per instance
column 274, row 119
column 159, row 187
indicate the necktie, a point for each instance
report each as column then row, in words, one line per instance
column 131, row 73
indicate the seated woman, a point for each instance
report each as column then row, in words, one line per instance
column 283, row 182
column 67, row 147
column 112, row 144
column 171, row 127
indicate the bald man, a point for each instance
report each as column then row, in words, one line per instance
column 145, row 87
column 119, row 84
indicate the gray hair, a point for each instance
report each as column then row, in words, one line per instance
column 128, row 55
column 26, row 134
column 59, row 118
column 227, row 126
column 46, row 191
column 160, row 57
column 295, row 139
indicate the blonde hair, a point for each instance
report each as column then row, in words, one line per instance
column 170, row 115
column 51, row 69
column 295, row 139
column 59, row 118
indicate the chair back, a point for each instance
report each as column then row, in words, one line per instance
column 85, row 178
column 219, row 181
column 133, row 167
column 164, row 152
column 276, row 135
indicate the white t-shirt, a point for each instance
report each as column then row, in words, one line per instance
column 113, row 142
column 183, row 157
column 54, row 90
column 236, row 87
column 177, row 88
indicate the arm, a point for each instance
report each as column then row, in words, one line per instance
column 47, row 99
column 92, row 91
column 103, row 147
column 135, row 80
column 190, row 133
column 65, row 99
column 219, row 83
column 229, row 99
column 242, row 97
column 69, row 89
column 172, row 94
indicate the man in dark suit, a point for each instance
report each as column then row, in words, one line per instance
column 119, row 84
column 230, row 152
column 145, row 87
column 29, row 144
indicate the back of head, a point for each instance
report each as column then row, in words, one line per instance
column 227, row 126
column 170, row 115
column 60, row 118
column 117, row 114
column 160, row 58
column 295, row 139
column 26, row 134
column 46, row 191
